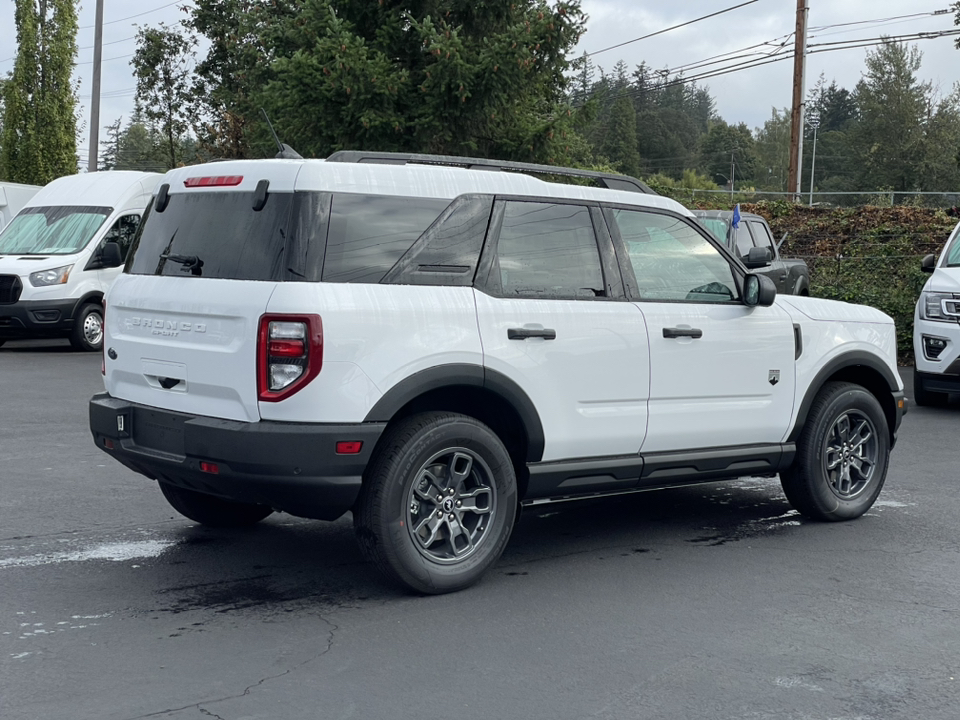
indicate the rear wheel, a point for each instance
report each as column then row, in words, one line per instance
column 87, row 332
column 922, row 396
column 842, row 455
column 438, row 502
column 213, row 511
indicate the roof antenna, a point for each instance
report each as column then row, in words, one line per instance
column 286, row 152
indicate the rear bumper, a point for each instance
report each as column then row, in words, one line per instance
column 37, row 318
column 292, row 467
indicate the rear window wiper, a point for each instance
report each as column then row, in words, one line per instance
column 191, row 263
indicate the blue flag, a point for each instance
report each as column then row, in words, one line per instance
column 736, row 217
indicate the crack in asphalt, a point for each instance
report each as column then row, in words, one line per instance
column 200, row 706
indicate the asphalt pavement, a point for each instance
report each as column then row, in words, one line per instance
column 715, row 601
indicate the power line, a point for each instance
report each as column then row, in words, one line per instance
column 130, row 17
column 881, row 20
column 674, row 27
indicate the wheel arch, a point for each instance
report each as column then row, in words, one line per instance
column 487, row 395
column 860, row 368
column 93, row 297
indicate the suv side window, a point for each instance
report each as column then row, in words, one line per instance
column 762, row 236
column 743, row 238
column 672, row 261
column 122, row 233
column 548, row 250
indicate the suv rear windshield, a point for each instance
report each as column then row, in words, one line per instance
column 336, row 237
column 57, row 230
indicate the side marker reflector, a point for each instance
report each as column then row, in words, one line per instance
column 349, row 448
column 209, row 467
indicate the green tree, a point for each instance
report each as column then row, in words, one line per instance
column 727, row 149
column 445, row 76
column 110, row 146
column 39, row 121
column 162, row 64
column 773, row 151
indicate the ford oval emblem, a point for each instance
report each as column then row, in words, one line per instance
column 112, row 354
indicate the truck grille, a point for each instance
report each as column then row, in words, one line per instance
column 10, row 288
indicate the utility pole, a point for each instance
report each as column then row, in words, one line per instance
column 733, row 170
column 94, row 152
column 815, row 124
column 796, row 118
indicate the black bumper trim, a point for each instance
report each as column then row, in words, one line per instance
column 37, row 318
column 939, row 382
column 293, row 467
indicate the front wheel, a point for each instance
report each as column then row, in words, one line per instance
column 842, row 455
column 438, row 502
column 87, row 332
column 213, row 511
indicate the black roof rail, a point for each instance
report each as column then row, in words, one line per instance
column 611, row 181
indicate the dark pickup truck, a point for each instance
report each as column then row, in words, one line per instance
column 753, row 243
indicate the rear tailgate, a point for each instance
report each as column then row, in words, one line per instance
column 182, row 321
column 183, row 344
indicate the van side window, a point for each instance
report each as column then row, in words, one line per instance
column 547, row 250
column 123, row 232
column 672, row 261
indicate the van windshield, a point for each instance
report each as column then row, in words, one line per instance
column 59, row 230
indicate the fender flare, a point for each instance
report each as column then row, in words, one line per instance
column 854, row 358
column 463, row 374
column 95, row 297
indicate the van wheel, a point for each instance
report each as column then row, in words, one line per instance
column 438, row 502
column 87, row 332
column 213, row 511
column 842, row 455
column 922, row 396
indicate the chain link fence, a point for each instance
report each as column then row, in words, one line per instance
column 879, row 198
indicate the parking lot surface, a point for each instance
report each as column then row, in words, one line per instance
column 714, row 601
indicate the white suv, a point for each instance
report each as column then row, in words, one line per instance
column 936, row 327
column 434, row 342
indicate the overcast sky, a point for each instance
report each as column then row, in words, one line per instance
column 746, row 96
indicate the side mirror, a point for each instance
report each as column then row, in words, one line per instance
column 110, row 255
column 758, row 290
column 757, row 257
column 929, row 263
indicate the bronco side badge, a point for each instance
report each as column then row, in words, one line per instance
column 774, row 377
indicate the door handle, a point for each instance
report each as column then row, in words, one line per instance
column 524, row 333
column 683, row 332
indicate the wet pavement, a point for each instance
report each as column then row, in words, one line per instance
column 713, row 602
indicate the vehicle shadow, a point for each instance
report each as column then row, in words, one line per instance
column 285, row 563
column 55, row 346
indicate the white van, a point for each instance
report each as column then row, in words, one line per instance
column 14, row 196
column 63, row 250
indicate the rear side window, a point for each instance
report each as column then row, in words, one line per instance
column 218, row 230
column 369, row 233
column 547, row 250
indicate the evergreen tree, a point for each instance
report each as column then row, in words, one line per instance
column 163, row 63
column 39, row 124
column 110, row 146
column 730, row 145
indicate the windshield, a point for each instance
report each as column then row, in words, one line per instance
column 953, row 253
column 56, row 230
column 717, row 227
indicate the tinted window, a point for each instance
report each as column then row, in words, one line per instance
column 122, row 233
column 672, row 261
column 761, row 235
column 717, row 228
column 953, row 254
column 548, row 250
column 369, row 233
column 219, row 229
column 52, row 230
column 742, row 238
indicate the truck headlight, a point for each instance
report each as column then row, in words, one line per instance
column 944, row 307
column 55, row 276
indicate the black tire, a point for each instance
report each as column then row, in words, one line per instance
column 87, row 332
column 842, row 455
column 433, row 463
column 2, row 342
column 924, row 397
column 213, row 511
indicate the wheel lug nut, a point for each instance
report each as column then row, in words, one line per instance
column 439, row 513
column 439, row 498
column 451, row 516
column 459, row 503
column 449, row 491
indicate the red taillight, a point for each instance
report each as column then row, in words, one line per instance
column 289, row 354
column 349, row 447
column 213, row 181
